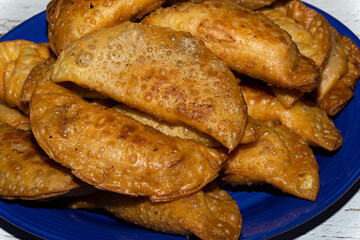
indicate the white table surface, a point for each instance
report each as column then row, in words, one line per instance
column 340, row 221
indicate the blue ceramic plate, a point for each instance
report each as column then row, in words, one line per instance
column 266, row 212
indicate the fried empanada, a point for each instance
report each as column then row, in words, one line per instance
column 334, row 69
column 279, row 157
column 17, row 58
column 251, row 4
column 210, row 213
column 42, row 70
column 183, row 131
column 176, row 130
column 343, row 90
column 26, row 172
column 304, row 118
column 13, row 117
column 69, row 20
column 309, row 30
column 116, row 153
column 168, row 74
column 249, row 42
column 286, row 96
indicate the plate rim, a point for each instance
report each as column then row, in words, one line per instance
column 275, row 232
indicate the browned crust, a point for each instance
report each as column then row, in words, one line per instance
column 88, row 16
column 113, row 152
column 343, row 91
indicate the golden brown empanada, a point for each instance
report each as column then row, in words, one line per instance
column 113, row 152
column 304, row 118
column 210, row 213
column 251, row 4
column 13, row 117
column 286, row 96
column 26, row 172
column 337, row 97
column 279, row 157
column 176, row 130
column 249, row 42
column 309, row 30
column 90, row 15
column 17, row 58
column 183, row 131
column 42, row 70
column 168, row 74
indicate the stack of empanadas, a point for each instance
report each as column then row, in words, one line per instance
column 149, row 114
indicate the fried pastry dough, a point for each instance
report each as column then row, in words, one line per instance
column 40, row 71
column 168, row 74
column 176, row 130
column 181, row 130
column 17, row 58
column 286, row 96
column 26, row 172
column 13, row 117
column 251, row 4
column 210, row 213
column 43, row 70
column 339, row 94
column 309, row 30
column 334, row 69
column 304, row 118
column 279, row 157
column 249, row 42
column 113, row 152
column 90, row 15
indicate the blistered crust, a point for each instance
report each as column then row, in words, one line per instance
column 209, row 214
column 26, row 172
column 168, row 74
column 279, row 157
column 248, row 41
column 113, row 152
column 340, row 94
column 17, row 59
column 176, row 130
column 13, row 117
column 90, row 15
column 309, row 30
column 304, row 118
column 251, row 4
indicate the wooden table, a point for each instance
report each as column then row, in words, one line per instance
column 340, row 221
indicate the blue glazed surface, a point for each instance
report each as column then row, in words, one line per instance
column 266, row 212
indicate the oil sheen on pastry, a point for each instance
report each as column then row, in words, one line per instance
column 210, row 213
column 309, row 30
column 113, row 152
column 69, row 20
column 340, row 88
column 26, row 172
column 304, row 118
column 249, row 42
column 279, row 157
column 17, row 59
column 13, row 117
column 168, row 74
